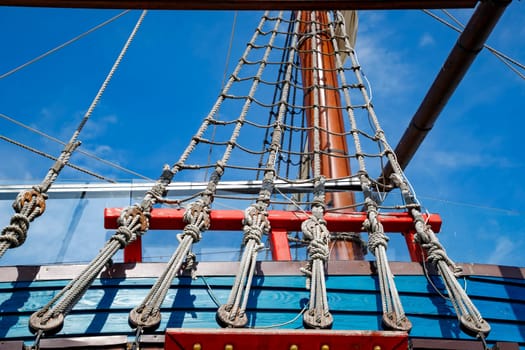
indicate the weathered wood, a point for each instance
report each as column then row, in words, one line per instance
column 354, row 301
column 247, row 4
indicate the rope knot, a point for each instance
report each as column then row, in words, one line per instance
column 193, row 231
column 134, row 219
column 255, row 223
column 198, row 214
column 318, row 249
column 16, row 233
column 123, row 235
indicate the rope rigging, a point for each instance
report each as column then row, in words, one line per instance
column 30, row 204
column 147, row 315
column 50, row 319
column 88, row 154
column 233, row 313
column 511, row 63
column 291, row 146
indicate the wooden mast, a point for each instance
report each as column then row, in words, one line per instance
column 321, row 95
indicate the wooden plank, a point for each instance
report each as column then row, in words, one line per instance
column 247, row 4
column 22, row 274
column 117, row 323
column 257, row 339
column 231, row 220
column 351, row 293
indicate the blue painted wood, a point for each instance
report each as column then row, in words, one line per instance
column 354, row 301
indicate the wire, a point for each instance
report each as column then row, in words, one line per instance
column 45, row 54
column 88, row 154
column 501, row 56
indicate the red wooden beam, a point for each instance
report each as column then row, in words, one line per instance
column 281, row 339
column 279, row 245
column 231, row 220
column 247, row 4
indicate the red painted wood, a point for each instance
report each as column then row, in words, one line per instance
column 416, row 254
column 240, row 339
column 230, row 220
column 279, row 245
column 133, row 251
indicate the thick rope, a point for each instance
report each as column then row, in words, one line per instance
column 233, row 313
column 20, row 232
column 468, row 315
column 393, row 313
column 147, row 315
column 132, row 222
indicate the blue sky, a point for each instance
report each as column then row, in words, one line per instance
column 468, row 169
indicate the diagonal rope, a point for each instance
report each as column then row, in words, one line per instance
column 88, row 154
column 233, row 313
column 506, row 60
column 146, row 316
column 59, row 47
column 132, row 222
column 31, row 203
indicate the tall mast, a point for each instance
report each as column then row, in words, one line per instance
column 321, row 96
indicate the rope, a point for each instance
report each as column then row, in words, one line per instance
column 467, row 313
column 233, row 313
column 38, row 58
column 393, row 314
column 48, row 156
column 132, row 222
column 88, row 154
column 15, row 234
column 146, row 316
column 508, row 61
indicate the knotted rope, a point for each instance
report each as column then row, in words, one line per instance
column 133, row 221
column 233, row 313
column 15, row 234
column 146, row 316
column 317, row 235
column 468, row 315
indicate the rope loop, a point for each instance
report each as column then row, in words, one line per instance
column 318, row 249
column 255, row 223
column 16, row 233
column 193, row 231
column 198, row 214
column 376, row 239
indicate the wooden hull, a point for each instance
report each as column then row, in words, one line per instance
column 277, row 298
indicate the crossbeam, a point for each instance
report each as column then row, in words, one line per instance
column 281, row 222
column 247, row 4
column 231, row 220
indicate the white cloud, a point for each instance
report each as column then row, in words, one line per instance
column 457, row 159
column 504, row 248
column 426, row 40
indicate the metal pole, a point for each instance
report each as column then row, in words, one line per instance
column 468, row 45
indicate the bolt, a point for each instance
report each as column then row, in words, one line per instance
column 325, row 347
column 294, row 347
column 377, row 347
column 230, row 347
column 197, row 346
